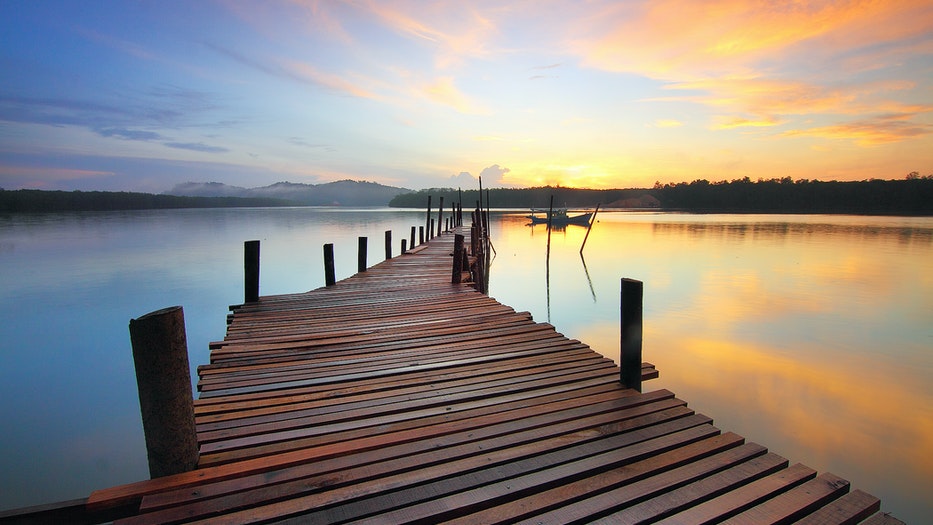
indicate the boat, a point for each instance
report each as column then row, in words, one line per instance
column 559, row 217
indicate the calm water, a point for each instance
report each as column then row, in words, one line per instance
column 812, row 335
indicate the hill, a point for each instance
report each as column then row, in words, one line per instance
column 339, row 193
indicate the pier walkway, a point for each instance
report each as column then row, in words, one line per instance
column 395, row 396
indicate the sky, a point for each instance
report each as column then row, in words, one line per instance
column 143, row 95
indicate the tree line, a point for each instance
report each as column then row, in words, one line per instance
column 13, row 201
column 910, row 196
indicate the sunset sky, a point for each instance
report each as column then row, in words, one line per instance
column 142, row 95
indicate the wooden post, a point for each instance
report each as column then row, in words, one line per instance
column 458, row 259
column 251, row 271
column 330, row 276
column 427, row 219
column 404, row 245
column 163, row 378
column 361, row 254
column 388, row 244
column 411, row 241
column 431, row 230
column 630, row 354
column 440, row 215
column 420, row 235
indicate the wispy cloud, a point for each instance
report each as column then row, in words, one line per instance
column 443, row 91
column 330, row 81
column 667, row 123
column 128, row 134
column 453, row 33
column 882, row 129
column 197, row 146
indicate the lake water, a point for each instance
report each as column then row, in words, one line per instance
column 810, row 334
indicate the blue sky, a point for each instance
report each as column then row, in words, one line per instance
column 118, row 95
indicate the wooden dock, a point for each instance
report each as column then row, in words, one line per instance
column 395, row 396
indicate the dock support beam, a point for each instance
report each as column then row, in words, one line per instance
column 630, row 354
column 250, row 271
column 163, row 378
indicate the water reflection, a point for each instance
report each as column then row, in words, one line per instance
column 809, row 334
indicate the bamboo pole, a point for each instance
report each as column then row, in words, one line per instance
column 588, row 228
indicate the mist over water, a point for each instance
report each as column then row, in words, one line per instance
column 811, row 335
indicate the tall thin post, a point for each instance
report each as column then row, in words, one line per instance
column 330, row 276
column 440, row 215
column 361, row 254
column 160, row 355
column 550, row 213
column 431, row 230
column 459, row 207
column 411, row 241
column 420, row 235
column 630, row 354
column 457, row 273
column 251, row 271
column 404, row 246
column 427, row 219
column 388, row 244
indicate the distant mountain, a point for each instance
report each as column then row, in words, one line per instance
column 340, row 193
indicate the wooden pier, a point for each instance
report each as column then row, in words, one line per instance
column 394, row 396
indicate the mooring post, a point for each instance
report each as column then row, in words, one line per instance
column 420, row 235
column 630, row 354
column 404, row 246
column 388, row 244
column 431, row 230
column 163, row 378
column 330, row 275
column 457, row 273
column 251, row 271
column 411, row 241
column 361, row 254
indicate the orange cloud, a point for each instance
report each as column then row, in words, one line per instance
column 677, row 40
column 873, row 131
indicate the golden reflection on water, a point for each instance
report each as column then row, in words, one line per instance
column 812, row 335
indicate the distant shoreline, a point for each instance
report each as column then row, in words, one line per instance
column 908, row 197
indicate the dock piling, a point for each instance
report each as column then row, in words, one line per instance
column 251, row 271
column 361, row 254
column 631, row 337
column 330, row 276
column 458, row 259
column 440, row 215
column 388, row 244
column 163, row 378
